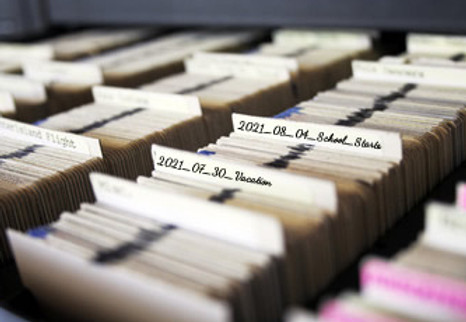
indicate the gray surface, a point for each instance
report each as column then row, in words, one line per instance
column 424, row 15
column 22, row 18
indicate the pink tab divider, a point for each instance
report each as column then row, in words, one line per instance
column 432, row 289
column 461, row 196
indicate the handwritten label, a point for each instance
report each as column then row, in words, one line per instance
column 244, row 66
column 445, row 227
column 63, row 72
column 22, row 88
column 138, row 98
column 429, row 75
column 371, row 142
column 328, row 39
column 436, row 44
column 18, row 52
column 7, row 104
column 268, row 182
column 57, row 139
column 242, row 227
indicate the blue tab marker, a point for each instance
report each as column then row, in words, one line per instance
column 288, row 112
column 205, row 152
column 40, row 232
column 37, row 123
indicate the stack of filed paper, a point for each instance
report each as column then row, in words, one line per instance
column 424, row 104
column 366, row 179
column 324, row 56
column 128, row 121
column 68, row 84
column 22, row 99
column 75, row 45
column 49, row 87
column 135, row 65
column 42, row 173
column 379, row 137
column 226, row 83
column 434, row 50
column 70, row 46
column 13, row 55
column 306, row 208
column 426, row 282
column 46, row 88
column 159, row 256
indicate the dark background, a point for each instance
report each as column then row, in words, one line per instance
column 26, row 18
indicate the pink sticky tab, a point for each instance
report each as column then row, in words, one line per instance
column 431, row 289
column 337, row 311
column 461, row 196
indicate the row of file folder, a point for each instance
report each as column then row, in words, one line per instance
column 279, row 198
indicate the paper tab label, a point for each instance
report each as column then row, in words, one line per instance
column 7, row 104
column 242, row 227
column 393, row 60
column 18, row 52
column 383, row 144
column 327, row 39
column 436, row 44
column 138, row 98
column 446, row 228
column 429, row 75
column 57, row 139
column 269, row 182
column 61, row 72
column 290, row 64
column 22, row 88
column 244, row 66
